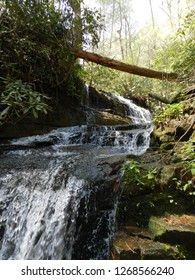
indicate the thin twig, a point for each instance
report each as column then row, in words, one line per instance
column 130, row 248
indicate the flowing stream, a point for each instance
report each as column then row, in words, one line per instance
column 58, row 192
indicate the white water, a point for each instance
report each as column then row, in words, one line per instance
column 40, row 221
column 51, row 189
column 131, row 139
column 137, row 114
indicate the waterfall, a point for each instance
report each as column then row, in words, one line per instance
column 38, row 216
column 56, row 190
column 137, row 114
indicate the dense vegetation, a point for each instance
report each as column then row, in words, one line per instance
column 36, row 64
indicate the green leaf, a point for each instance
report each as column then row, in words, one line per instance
column 5, row 111
column 45, row 111
column 150, row 176
column 185, row 187
column 26, row 110
column 193, row 171
column 35, row 113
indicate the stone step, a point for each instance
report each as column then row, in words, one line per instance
column 138, row 231
column 174, row 229
column 167, row 237
column 127, row 247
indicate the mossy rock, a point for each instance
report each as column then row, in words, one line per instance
column 166, row 135
column 174, row 229
column 167, row 146
column 172, row 173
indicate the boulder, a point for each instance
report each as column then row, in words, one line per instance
column 172, row 173
column 104, row 100
column 174, row 229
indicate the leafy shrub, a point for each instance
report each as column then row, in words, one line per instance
column 19, row 99
column 35, row 42
column 134, row 173
column 168, row 112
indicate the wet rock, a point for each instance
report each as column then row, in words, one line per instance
column 102, row 100
column 2, row 231
column 8, row 250
column 67, row 112
column 96, row 117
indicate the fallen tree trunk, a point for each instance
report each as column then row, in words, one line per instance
column 121, row 66
column 159, row 98
column 163, row 99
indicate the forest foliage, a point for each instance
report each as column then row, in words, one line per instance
column 147, row 46
column 180, row 52
column 36, row 64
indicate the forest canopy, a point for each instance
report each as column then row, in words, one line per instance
column 165, row 42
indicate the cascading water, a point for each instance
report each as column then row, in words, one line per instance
column 56, row 191
column 136, row 113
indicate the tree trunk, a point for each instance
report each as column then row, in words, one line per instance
column 121, row 66
column 120, row 30
column 152, row 14
column 78, row 36
column 112, row 26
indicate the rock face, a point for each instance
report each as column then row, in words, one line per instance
column 156, row 210
column 158, row 213
column 104, row 100
column 97, row 117
column 93, row 108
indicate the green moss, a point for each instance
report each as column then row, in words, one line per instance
column 156, row 227
column 166, row 146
